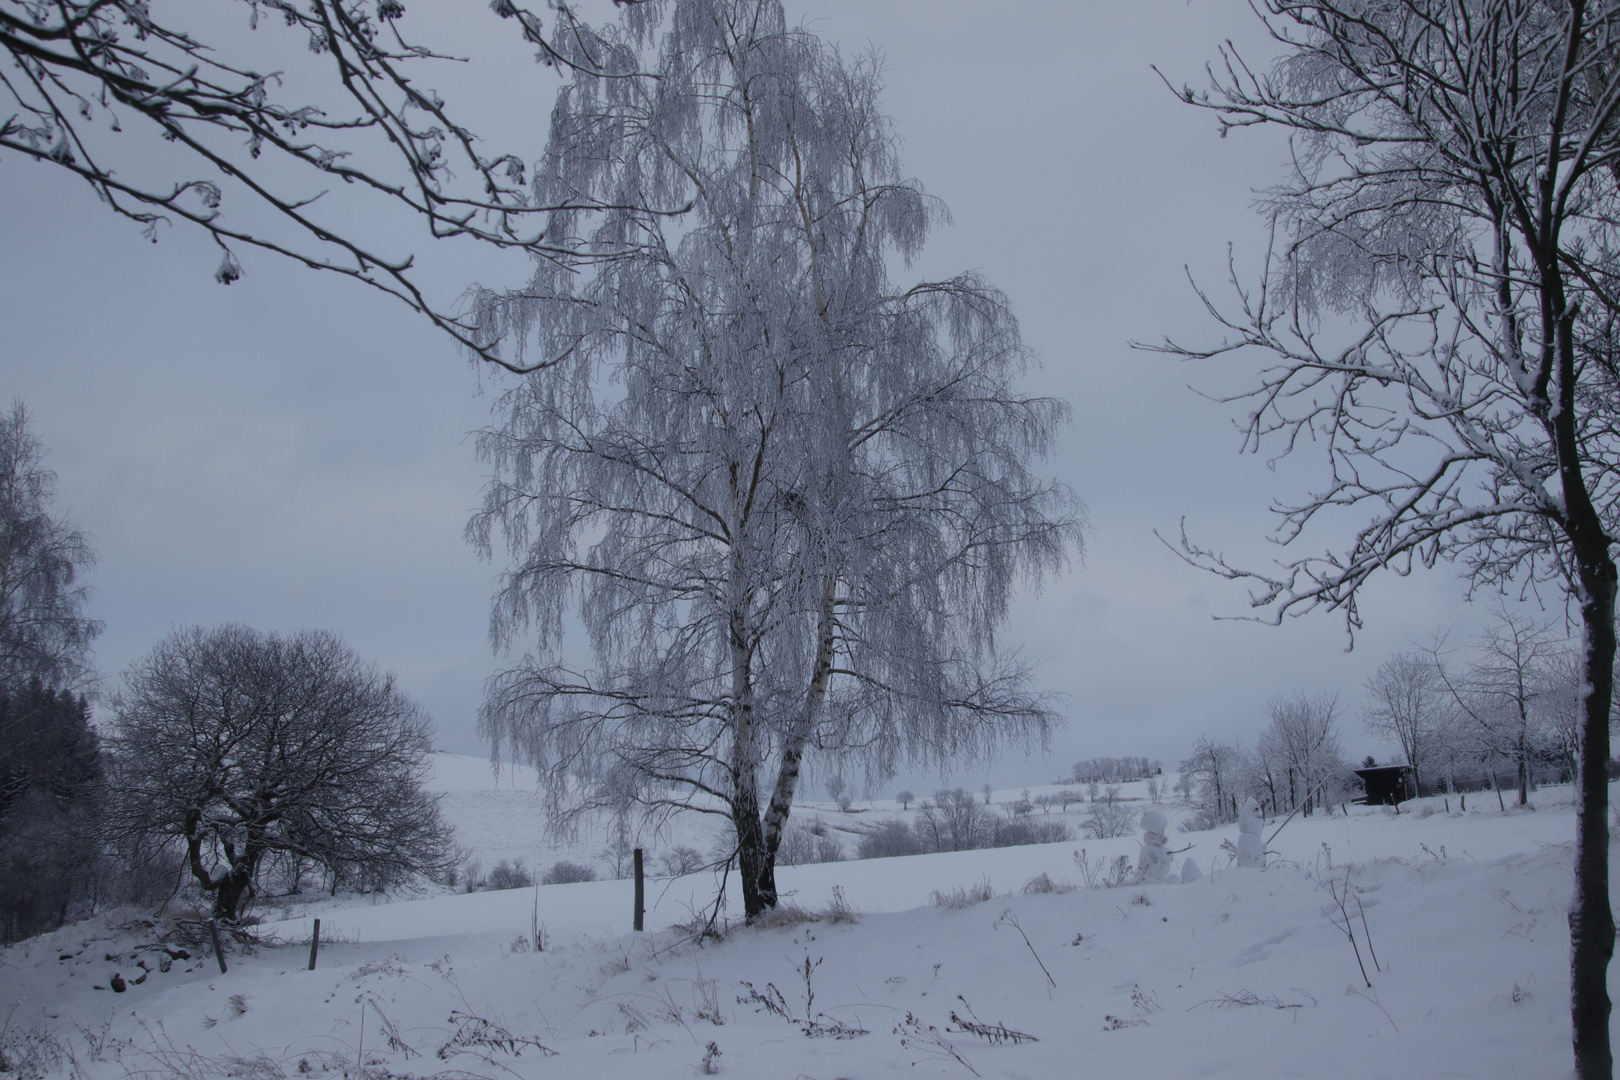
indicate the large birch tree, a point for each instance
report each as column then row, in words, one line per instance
column 786, row 500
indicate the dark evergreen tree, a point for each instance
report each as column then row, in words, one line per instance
column 50, row 795
column 50, row 760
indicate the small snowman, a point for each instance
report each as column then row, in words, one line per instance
column 1251, row 848
column 1154, row 859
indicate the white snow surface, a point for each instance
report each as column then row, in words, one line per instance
column 1244, row 973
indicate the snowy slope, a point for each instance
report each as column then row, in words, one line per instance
column 498, row 814
column 1244, row 973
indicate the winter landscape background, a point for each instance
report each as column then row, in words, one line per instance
column 1241, row 973
column 288, row 454
column 281, row 477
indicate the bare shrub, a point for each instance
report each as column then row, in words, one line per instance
column 564, row 872
column 1018, row 832
column 1109, row 818
column 809, row 843
column 784, row 916
column 815, row 1025
column 683, row 860
column 839, row 910
column 28, row 1054
column 1104, row 872
column 887, row 839
column 959, row 897
column 508, row 875
column 1043, row 883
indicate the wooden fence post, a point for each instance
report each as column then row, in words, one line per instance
column 314, row 943
column 219, row 953
column 640, row 893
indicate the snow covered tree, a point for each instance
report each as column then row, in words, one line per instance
column 1440, row 314
column 239, row 746
column 1558, row 708
column 1407, row 703
column 789, row 499
column 50, row 763
column 170, row 115
column 1210, row 777
column 1301, row 748
column 1496, row 695
column 44, row 633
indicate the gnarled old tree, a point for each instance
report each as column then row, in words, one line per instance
column 238, row 747
column 170, row 115
column 790, row 499
column 1439, row 313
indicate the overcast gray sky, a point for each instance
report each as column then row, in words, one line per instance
column 293, row 451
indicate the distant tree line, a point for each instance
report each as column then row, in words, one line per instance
column 1501, row 711
column 1109, row 770
column 955, row 821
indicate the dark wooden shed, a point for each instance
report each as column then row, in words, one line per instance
column 1387, row 785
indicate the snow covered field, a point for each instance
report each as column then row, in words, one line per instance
column 1458, row 919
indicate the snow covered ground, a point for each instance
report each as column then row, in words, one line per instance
column 1458, row 919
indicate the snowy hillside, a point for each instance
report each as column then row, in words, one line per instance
column 498, row 815
column 1458, row 919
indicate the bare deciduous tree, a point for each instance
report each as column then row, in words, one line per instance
column 1558, row 707
column 1407, row 702
column 1301, row 747
column 1496, row 696
column 1211, row 776
column 238, row 745
column 790, row 499
column 1439, row 314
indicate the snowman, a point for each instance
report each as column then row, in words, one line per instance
column 1154, row 859
column 1251, row 849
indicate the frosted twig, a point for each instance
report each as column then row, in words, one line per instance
column 1366, row 931
column 1012, row 920
column 1349, row 932
column 996, row 1033
column 926, row 1038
